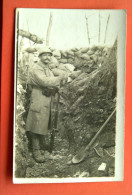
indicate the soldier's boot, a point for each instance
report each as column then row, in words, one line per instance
column 28, row 134
column 43, row 144
column 71, row 140
column 38, row 157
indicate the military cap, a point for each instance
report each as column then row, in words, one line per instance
column 44, row 50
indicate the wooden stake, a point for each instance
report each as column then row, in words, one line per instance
column 87, row 29
column 106, row 28
column 49, row 29
column 99, row 28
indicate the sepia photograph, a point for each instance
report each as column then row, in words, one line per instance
column 69, row 95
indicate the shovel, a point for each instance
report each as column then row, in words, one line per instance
column 81, row 156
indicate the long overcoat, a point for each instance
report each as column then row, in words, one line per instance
column 40, row 105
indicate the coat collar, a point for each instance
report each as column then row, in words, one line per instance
column 43, row 65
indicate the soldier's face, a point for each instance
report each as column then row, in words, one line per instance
column 45, row 58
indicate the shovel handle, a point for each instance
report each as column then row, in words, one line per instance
column 99, row 131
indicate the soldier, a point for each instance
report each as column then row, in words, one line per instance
column 44, row 86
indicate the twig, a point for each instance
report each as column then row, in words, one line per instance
column 20, row 113
column 97, row 152
column 108, row 153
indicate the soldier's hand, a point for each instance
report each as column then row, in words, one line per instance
column 64, row 79
column 61, row 80
column 57, row 82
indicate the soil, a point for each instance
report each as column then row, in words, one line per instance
column 58, row 164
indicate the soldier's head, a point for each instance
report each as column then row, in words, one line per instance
column 45, row 55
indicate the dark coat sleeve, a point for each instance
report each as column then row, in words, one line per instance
column 38, row 78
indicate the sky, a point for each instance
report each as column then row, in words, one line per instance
column 69, row 27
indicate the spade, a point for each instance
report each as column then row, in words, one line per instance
column 82, row 156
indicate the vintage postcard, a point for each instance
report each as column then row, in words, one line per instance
column 69, row 93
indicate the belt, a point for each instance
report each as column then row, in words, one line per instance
column 49, row 91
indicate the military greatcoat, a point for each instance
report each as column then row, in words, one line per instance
column 40, row 77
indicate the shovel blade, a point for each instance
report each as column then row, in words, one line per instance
column 78, row 158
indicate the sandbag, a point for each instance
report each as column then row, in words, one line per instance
column 85, row 57
column 70, row 61
column 90, row 52
column 69, row 67
column 53, row 63
column 75, row 49
column 62, row 67
column 78, row 54
column 94, row 48
column 58, row 72
column 100, row 59
column 57, row 54
column 84, row 50
column 94, row 57
column 63, row 61
column 80, row 83
column 31, row 49
column 75, row 74
column 70, row 53
column 63, row 54
column 97, row 52
column 77, row 62
column 80, row 77
column 105, row 51
column 100, row 48
column 52, row 49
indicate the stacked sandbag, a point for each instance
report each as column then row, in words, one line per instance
column 85, row 59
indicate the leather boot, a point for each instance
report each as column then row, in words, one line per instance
column 43, row 144
column 71, row 140
column 28, row 134
column 38, row 157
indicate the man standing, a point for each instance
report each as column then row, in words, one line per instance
column 44, row 86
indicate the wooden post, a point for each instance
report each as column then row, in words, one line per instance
column 106, row 28
column 87, row 29
column 99, row 28
column 49, row 29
